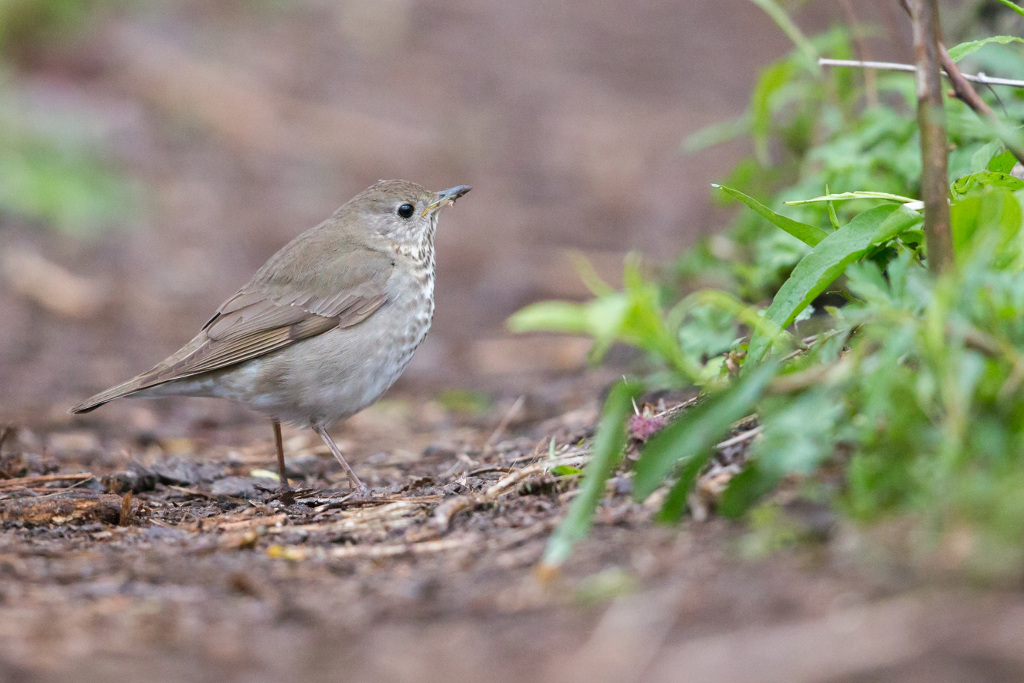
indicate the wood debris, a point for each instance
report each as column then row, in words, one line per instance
column 73, row 507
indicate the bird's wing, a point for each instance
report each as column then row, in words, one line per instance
column 272, row 312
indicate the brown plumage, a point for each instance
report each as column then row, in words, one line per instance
column 325, row 326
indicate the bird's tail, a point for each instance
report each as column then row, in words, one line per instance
column 125, row 388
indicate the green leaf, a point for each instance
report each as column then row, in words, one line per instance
column 707, row 331
column 833, row 218
column 609, row 443
column 858, row 194
column 745, row 489
column 1002, row 162
column 983, row 180
column 633, row 316
column 988, row 219
column 690, row 438
column 1016, row 8
column 827, row 261
column 808, row 234
column 958, row 52
column 984, row 155
column 772, row 79
column 674, row 507
column 716, row 133
column 600, row 318
column 588, row 275
column 798, row 431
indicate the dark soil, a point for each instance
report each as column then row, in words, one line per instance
column 176, row 560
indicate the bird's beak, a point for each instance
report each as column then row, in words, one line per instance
column 445, row 197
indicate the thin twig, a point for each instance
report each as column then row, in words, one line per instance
column 681, row 408
column 383, row 551
column 966, row 94
column 486, row 470
column 740, row 438
column 26, row 482
column 389, row 550
column 211, row 524
column 982, row 78
column 205, row 494
column 447, row 510
column 503, row 425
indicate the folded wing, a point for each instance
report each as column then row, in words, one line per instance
column 271, row 312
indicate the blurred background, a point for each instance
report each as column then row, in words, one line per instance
column 153, row 155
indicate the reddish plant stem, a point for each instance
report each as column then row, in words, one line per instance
column 931, row 119
column 965, row 92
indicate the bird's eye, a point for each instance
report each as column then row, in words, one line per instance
column 406, row 210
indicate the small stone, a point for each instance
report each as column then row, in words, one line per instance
column 135, row 478
column 176, row 472
column 236, row 487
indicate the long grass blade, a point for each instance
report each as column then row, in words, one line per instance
column 609, row 443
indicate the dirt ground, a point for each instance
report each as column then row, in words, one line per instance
column 203, row 574
column 246, row 126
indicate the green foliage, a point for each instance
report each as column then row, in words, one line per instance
column 913, row 391
column 811, row 130
column 686, row 445
column 24, row 24
column 927, row 397
column 808, row 234
column 877, row 227
column 964, row 49
column 633, row 316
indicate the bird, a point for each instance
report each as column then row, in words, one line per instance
column 324, row 327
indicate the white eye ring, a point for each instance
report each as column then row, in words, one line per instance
column 406, row 210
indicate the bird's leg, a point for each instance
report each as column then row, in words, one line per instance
column 337, row 454
column 285, row 488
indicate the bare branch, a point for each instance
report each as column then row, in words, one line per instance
column 982, row 78
column 966, row 93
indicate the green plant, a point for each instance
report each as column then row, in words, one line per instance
column 913, row 390
column 813, row 130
